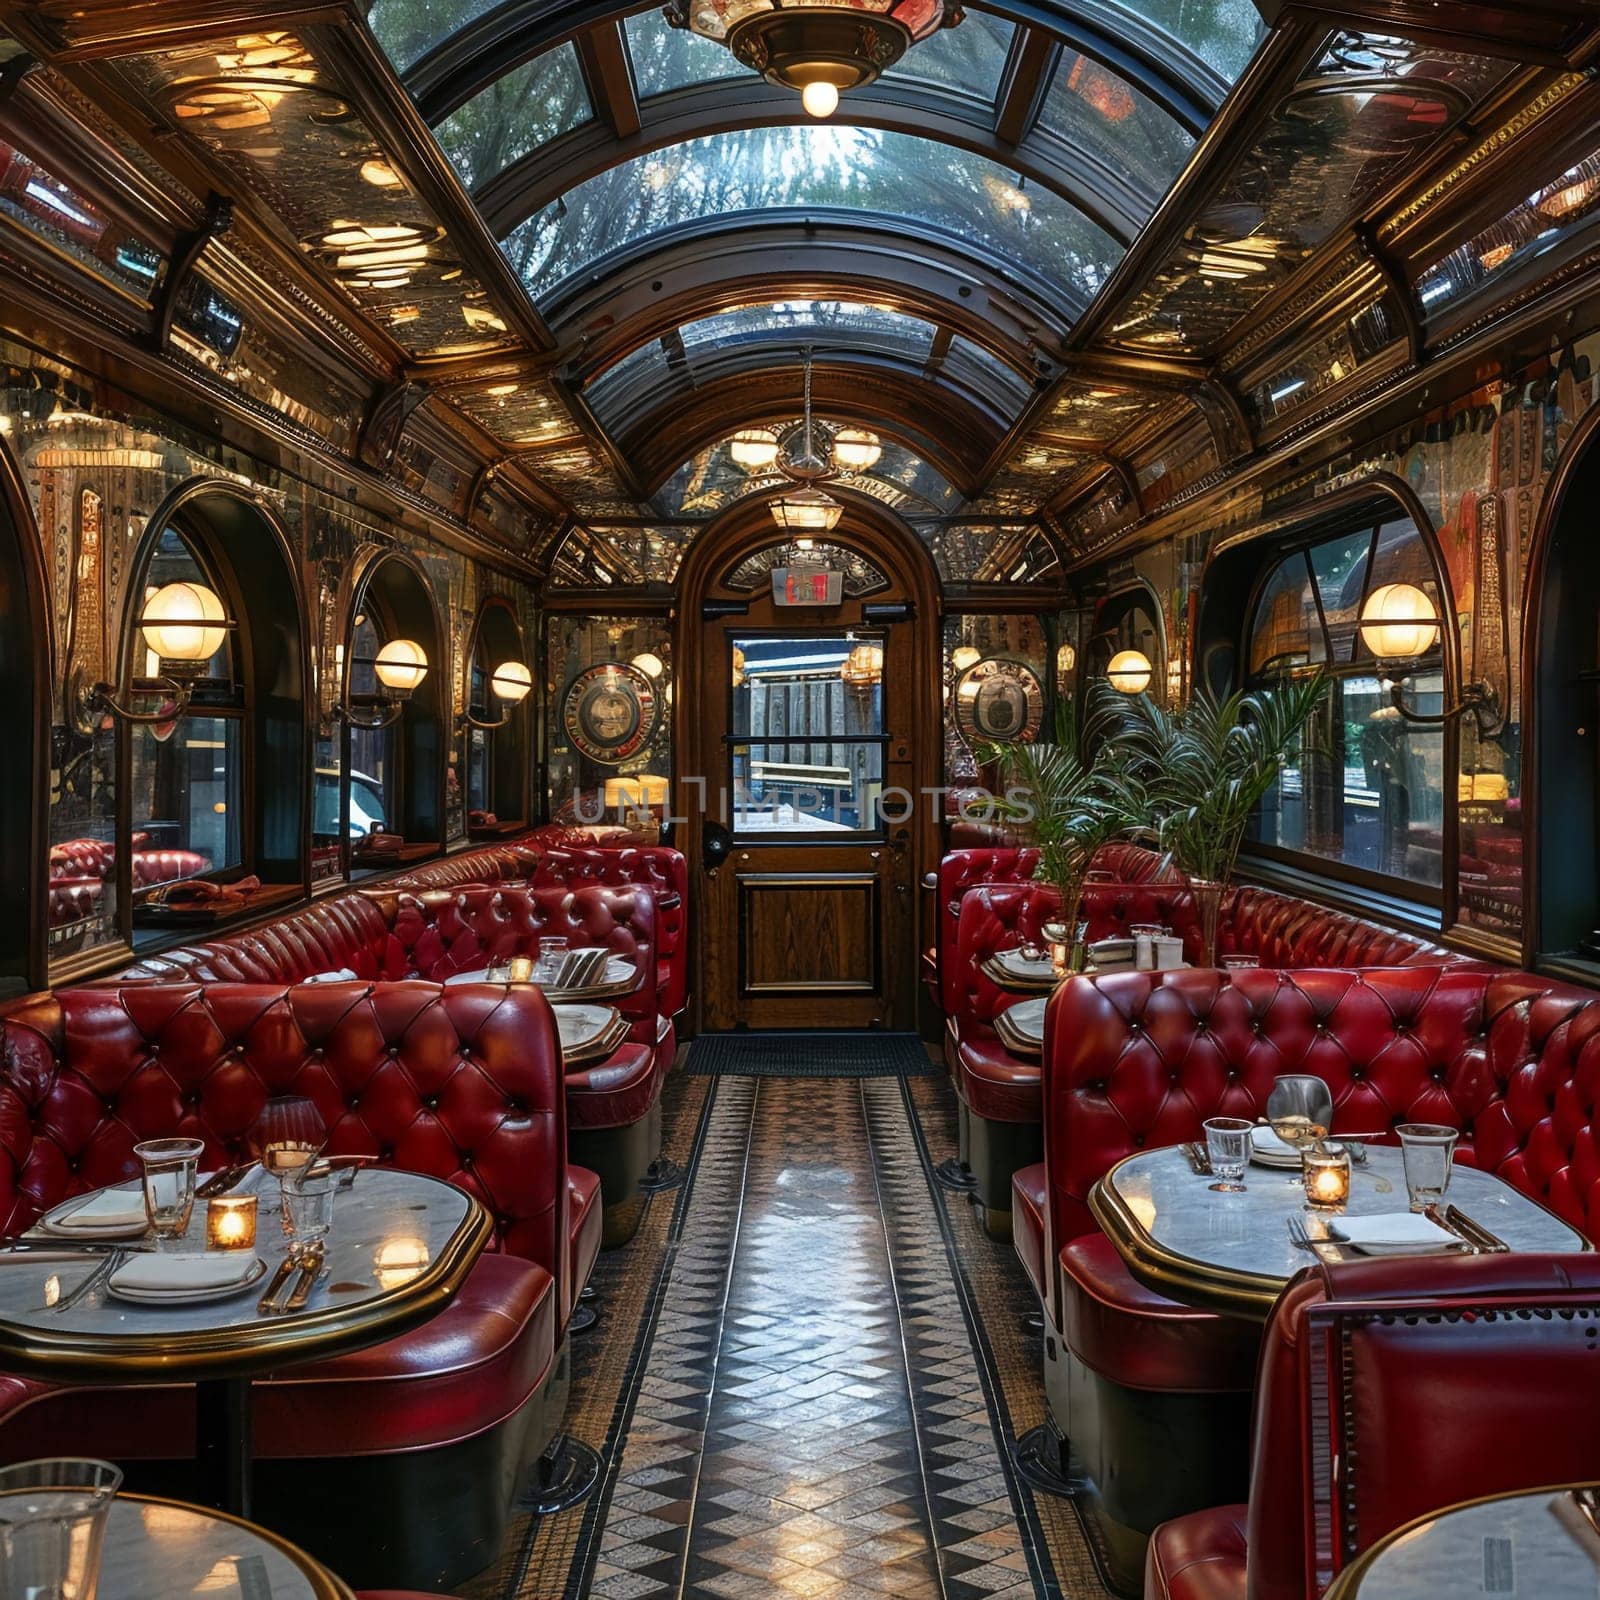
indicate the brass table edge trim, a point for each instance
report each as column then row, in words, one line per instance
column 1226, row 1290
column 1347, row 1583
column 615, row 1033
column 174, row 1357
column 325, row 1585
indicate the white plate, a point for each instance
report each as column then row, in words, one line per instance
column 188, row 1297
column 1268, row 1150
column 50, row 1222
column 579, row 1024
column 1014, row 962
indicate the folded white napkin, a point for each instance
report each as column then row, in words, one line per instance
column 1392, row 1232
column 338, row 975
column 110, row 1208
column 189, row 1270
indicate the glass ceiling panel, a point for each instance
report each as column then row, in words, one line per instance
column 666, row 58
column 853, row 172
column 1090, row 107
column 1357, row 118
column 812, row 322
column 967, row 58
column 527, row 107
column 711, row 481
column 1223, row 33
column 409, row 29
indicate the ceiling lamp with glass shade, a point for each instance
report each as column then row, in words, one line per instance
column 857, row 449
column 821, row 50
column 754, row 449
column 863, row 667
column 806, row 456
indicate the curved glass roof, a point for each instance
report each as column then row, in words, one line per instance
column 528, row 107
column 1223, row 33
column 1089, row 107
column 712, row 480
column 666, row 58
column 968, row 58
column 852, row 173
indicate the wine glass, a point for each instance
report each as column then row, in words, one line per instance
column 1300, row 1109
column 287, row 1134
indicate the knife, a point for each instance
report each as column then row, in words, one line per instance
column 221, row 1182
column 64, row 1247
column 1488, row 1242
column 265, row 1305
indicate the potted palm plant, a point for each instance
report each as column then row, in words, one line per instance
column 1070, row 808
column 1205, row 769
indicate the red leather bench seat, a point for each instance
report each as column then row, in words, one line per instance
column 1028, row 1202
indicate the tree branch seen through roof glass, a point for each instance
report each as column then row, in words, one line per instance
column 863, row 173
column 527, row 107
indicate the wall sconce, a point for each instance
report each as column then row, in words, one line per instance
column 964, row 657
column 509, row 683
column 1400, row 623
column 649, row 663
column 1066, row 660
column 183, row 625
column 1129, row 672
column 399, row 666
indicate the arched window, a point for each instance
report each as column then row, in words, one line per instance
column 1130, row 621
column 496, row 733
column 1365, row 799
column 186, row 777
column 392, row 744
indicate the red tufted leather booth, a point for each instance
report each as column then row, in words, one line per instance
column 1140, row 1060
column 612, row 1106
column 655, row 867
column 462, row 1083
column 150, row 867
column 500, row 863
column 1408, row 1348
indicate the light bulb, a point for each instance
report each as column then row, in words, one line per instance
column 821, row 99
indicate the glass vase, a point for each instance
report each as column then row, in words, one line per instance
column 1208, row 911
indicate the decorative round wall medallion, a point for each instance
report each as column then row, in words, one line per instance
column 610, row 712
column 999, row 701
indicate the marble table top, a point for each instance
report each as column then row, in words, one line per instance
column 160, row 1547
column 1232, row 1252
column 1539, row 1546
column 400, row 1245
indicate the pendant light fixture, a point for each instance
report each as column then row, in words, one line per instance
column 803, row 459
column 821, row 48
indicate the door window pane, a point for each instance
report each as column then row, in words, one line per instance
column 808, row 726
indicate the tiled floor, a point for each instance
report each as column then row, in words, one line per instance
column 811, row 1421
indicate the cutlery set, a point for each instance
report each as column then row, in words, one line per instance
column 280, row 1298
column 1472, row 1237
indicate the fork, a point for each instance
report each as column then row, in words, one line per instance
column 1302, row 1240
column 100, row 1274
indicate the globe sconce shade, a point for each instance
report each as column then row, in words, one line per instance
column 1399, row 622
column 965, row 657
column 511, row 681
column 649, row 663
column 183, row 625
column 1129, row 672
column 400, row 666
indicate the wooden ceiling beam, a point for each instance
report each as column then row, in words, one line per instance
column 608, row 76
column 1550, row 33
column 1022, row 88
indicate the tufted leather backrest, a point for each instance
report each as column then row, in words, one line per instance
column 581, row 835
column 498, row 863
column 1136, row 1060
column 345, row 932
column 993, row 917
column 83, row 858
column 463, row 1084
column 655, row 867
column 150, row 867
column 1391, row 1389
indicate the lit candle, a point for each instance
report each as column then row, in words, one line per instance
column 1327, row 1177
column 231, row 1222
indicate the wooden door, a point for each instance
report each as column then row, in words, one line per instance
column 805, row 839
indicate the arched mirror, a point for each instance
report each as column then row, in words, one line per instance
column 496, row 733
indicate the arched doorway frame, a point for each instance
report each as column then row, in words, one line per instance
column 883, row 538
column 27, row 652
column 513, row 738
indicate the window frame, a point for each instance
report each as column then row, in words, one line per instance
column 1373, row 516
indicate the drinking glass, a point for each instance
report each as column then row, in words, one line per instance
column 170, row 1166
column 1426, row 1151
column 1228, row 1150
column 552, row 951
column 308, row 1204
column 1300, row 1109
column 53, row 1526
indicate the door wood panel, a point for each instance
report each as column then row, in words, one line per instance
column 808, row 933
